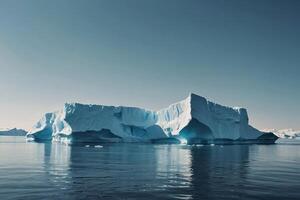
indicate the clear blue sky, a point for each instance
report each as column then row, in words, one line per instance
column 150, row 54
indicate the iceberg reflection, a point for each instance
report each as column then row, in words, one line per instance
column 144, row 171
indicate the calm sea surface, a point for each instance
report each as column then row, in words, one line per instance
column 144, row 171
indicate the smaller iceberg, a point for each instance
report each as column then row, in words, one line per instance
column 285, row 133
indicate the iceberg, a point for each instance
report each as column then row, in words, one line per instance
column 193, row 120
column 285, row 133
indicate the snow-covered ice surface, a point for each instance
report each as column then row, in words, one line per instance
column 195, row 120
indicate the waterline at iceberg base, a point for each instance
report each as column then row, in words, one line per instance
column 195, row 120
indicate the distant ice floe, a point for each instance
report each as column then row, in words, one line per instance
column 12, row 132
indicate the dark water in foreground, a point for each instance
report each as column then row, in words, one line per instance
column 144, row 171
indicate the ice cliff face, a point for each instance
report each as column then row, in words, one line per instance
column 194, row 119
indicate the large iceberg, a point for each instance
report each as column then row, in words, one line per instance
column 193, row 120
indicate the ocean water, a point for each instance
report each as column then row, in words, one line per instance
column 145, row 171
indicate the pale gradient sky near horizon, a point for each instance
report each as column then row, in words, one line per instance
column 150, row 54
